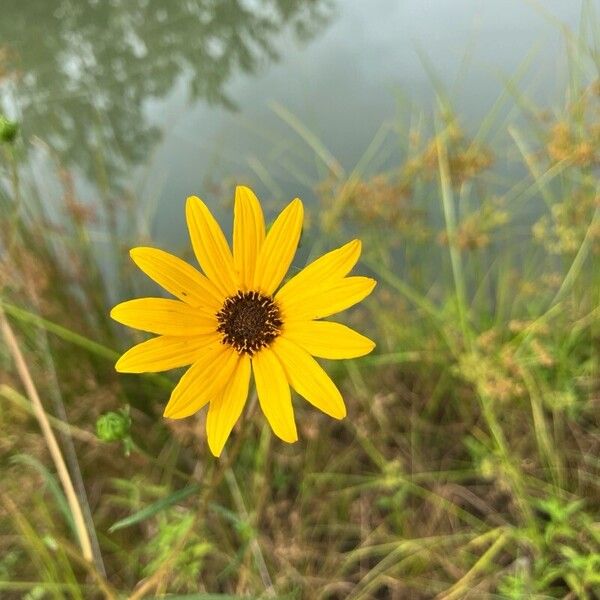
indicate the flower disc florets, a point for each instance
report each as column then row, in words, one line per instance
column 249, row 321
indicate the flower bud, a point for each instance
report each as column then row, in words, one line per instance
column 113, row 426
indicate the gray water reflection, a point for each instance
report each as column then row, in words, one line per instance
column 364, row 69
column 112, row 79
column 78, row 73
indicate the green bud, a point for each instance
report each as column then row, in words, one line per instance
column 113, row 426
column 8, row 130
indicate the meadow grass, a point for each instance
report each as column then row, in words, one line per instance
column 468, row 465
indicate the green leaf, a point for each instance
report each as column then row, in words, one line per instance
column 155, row 508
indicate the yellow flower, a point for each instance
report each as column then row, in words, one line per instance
column 232, row 320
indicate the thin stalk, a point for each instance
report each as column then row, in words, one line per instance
column 450, row 220
column 465, row 582
column 546, row 446
column 53, row 447
column 21, row 401
column 529, row 158
column 254, row 545
column 310, row 138
column 578, row 261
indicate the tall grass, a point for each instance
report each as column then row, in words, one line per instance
column 468, row 466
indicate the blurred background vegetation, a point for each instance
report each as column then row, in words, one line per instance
column 468, row 466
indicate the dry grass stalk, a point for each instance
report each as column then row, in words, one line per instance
column 51, row 442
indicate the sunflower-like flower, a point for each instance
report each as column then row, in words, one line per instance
column 232, row 320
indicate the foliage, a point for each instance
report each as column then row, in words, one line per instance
column 468, row 466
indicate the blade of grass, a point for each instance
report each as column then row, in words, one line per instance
column 450, row 221
column 22, row 402
column 259, row 558
column 529, row 158
column 77, row 339
column 38, row 551
column 54, row 449
column 341, row 199
column 465, row 582
column 492, row 115
column 578, row 261
column 51, row 484
column 64, row 333
column 154, row 508
column 310, row 138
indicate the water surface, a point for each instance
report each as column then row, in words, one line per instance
column 166, row 98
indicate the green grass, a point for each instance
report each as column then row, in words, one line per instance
column 468, row 465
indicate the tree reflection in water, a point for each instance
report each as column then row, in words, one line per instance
column 82, row 69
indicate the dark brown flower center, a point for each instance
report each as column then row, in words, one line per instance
column 249, row 321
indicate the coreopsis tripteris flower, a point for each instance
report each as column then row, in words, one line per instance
column 233, row 320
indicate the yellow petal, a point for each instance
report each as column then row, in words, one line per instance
column 225, row 409
column 203, row 381
column 248, row 234
column 333, row 265
column 327, row 340
column 329, row 298
column 163, row 353
column 210, row 246
column 178, row 278
column 274, row 394
column 308, row 378
column 278, row 250
column 163, row 316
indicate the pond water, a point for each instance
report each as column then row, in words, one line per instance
column 177, row 97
